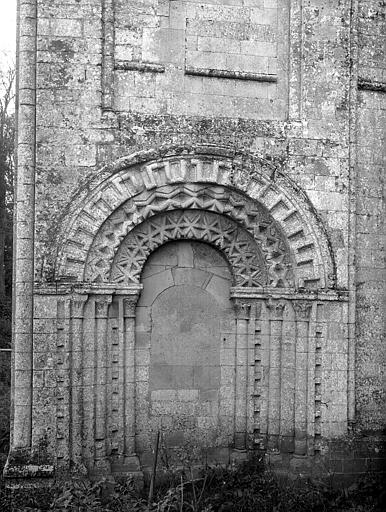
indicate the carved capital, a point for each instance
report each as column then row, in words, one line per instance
column 129, row 305
column 246, row 308
column 77, row 305
column 242, row 308
column 276, row 308
column 302, row 310
column 102, row 303
column 258, row 306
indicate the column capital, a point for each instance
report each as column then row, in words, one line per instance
column 247, row 307
column 276, row 307
column 242, row 308
column 302, row 309
column 102, row 303
column 77, row 305
column 129, row 305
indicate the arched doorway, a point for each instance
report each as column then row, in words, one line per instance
column 184, row 354
column 269, row 354
column 287, row 320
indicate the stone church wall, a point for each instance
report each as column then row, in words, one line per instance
column 371, row 274
column 265, row 112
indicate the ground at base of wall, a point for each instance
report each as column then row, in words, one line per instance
column 247, row 487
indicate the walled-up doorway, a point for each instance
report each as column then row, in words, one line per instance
column 184, row 355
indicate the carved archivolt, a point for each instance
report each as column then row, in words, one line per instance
column 253, row 218
column 244, row 256
column 277, row 216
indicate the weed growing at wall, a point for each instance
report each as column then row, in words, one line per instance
column 246, row 488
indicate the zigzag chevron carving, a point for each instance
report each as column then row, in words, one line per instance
column 243, row 254
column 217, row 199
column 142, row 185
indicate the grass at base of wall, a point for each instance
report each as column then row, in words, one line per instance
column 249, row 487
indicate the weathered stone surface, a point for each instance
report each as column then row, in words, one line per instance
column 222, row 163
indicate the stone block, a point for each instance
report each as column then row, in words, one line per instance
column 228, row 340
column 194, row 277
column 227, row 357
column 174, row 377
column 188, row 395
column 159, row 282
column 82, row 156
column 164, row 394
column 206, row 377
column 175, row 438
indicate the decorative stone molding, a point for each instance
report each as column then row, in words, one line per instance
column 289, row 294
column 232, row 75
column 276, row 307
column 242, row 308
column 254, row 217
column 80, row 289
column 121, row 185
column 247, row 262
column 302, row 310
column 102, row 303
column 129, row 65
column 367, row 84
column 62, row 377
column 77, row 305
column 129, row 305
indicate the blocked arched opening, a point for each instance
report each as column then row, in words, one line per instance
column 281, row 273
column 184, row 353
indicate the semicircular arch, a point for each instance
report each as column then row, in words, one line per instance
column 243, row 254
column 138, row 191
column 232, row 206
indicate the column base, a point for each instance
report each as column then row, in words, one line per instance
column 237, row 456
column 21, row 470
column 128, row 464
column 129, row 468
column 300, row 447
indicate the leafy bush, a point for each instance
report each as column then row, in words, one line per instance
column 246, row 488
